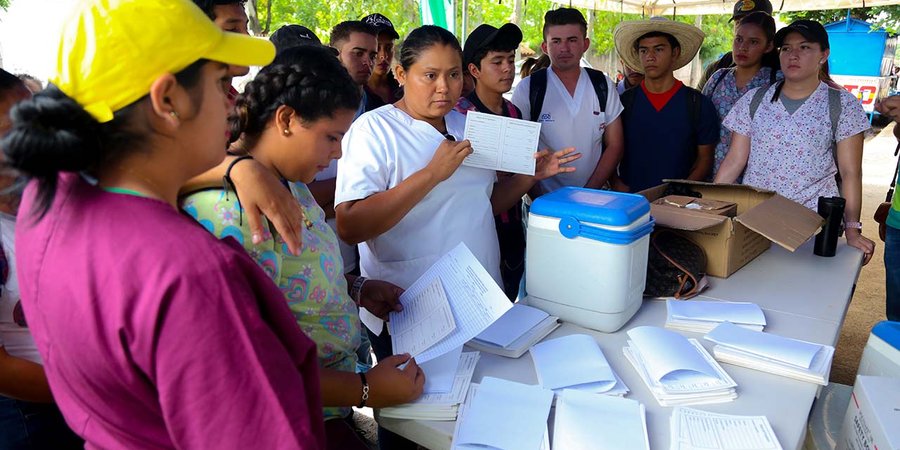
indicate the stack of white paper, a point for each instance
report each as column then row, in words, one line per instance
column 438, row 405
column 586, row 421
column 504, row 414
column 701, row 317
column 575, row 362
column 693, row 429
column 515, row 332
column 779, row 355
column 677, row 370
column 451, row 303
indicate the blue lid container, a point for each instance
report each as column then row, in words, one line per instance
column 580, row 210
column 888, row 332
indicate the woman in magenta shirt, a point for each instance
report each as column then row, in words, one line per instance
column 154, row 334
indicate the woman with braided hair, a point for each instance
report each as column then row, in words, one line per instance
column 292, row 118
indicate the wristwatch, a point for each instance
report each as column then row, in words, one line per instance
column 856, row 225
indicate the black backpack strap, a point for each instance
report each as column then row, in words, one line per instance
column 598, row 80
column 694, row 104
column 627, row 99
column 536, row 91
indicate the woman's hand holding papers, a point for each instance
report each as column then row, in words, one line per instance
column 447, row 158
column 391, row 385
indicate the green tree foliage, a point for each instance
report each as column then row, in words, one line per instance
column 4, row 4
column 887, row 17
column 405, row 15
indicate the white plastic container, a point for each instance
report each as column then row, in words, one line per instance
column 881, row 356
column 586, row 256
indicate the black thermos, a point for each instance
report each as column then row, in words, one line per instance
column 832, row 210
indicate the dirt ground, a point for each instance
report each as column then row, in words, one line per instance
column 867, row 306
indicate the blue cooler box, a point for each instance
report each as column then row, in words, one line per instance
column 586, row 256
column 881, row 356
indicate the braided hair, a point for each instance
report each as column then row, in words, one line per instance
column 309, row 79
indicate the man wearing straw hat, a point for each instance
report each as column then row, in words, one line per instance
column 670, row 129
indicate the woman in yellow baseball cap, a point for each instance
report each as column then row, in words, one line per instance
column 153, row 333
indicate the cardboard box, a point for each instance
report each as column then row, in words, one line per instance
column 872, row 416
column 730, row 243
column 703, row 205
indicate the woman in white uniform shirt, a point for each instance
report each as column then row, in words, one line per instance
column 401, row 189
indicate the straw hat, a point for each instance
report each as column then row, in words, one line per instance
column 689, row 37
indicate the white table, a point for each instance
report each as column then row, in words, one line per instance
column 803, row 296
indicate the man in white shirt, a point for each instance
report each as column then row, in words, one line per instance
column 571, row 114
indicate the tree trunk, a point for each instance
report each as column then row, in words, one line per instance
column 254, row 18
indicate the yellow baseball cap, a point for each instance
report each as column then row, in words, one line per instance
column 111, row 51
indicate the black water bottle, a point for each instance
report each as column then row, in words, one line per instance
column 832, row 210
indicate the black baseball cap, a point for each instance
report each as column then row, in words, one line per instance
column 381, row 24
column 744, row 7
column 810, row 29
column 292, row 36
column 507, row 36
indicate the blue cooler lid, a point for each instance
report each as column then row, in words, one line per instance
column 608, row 208
column 888, row 332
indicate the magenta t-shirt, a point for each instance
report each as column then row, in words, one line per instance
column 155, row 334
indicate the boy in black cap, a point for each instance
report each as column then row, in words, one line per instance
column 489, row 58
column 741, row 9
column 381, row 82
column 290, row 36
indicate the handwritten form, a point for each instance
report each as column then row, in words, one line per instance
column 501, row 143
column 693, row 429
column 475, row 299
column 426, row 319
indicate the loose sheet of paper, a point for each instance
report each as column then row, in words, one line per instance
column 440, row 372
column 502, row 143
column 586, row 421
column 476, row 301
column 790, row 351
column 425, row 320
column 506, row 415
column 462, row 378
column 738, row 312
column 514, row 323
column 572, row 361
column 693, row 429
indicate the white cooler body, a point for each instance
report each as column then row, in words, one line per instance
column 587, row 273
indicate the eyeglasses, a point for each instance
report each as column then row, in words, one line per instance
column 18, row 313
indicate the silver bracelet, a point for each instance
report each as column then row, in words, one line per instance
column 356, row 289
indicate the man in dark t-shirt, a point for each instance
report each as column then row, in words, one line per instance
column 670, row 129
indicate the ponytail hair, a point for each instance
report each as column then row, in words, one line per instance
column 307, row 78
column 52, row 133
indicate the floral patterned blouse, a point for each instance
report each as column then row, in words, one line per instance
column 791, row 153
column 313, row 283
column 724, row 97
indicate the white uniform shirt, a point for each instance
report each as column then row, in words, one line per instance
column 386, row 146
column 571, row 121
column 15, row 339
